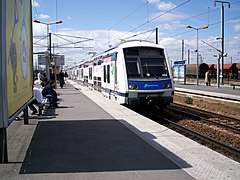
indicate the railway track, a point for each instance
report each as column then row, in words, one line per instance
column 223, row 121
column 232, row 151
column 173, row 115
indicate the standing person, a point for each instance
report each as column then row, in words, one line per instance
column 208, row 78
column 61, row 78
column 65, row 77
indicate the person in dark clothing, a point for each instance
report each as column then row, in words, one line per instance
column 43, row 79
column 65, row 74
column 61, row 79
column 48, row 91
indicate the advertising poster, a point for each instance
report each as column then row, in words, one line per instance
column 179, row 73
column 18, row 53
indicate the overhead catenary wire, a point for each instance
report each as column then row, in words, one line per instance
column 37, row 14
column 84, row 39
column 123, row 19
column 122, row 36
column 213, row 24
column 44, row 37
column 79, row 37
column 139, row 34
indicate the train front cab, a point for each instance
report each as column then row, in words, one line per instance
column 148, row 76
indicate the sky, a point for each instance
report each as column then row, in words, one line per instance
column 93, row 26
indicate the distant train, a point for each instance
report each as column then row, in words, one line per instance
column 231, row 71
column 133, row 73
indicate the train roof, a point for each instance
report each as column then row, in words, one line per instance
column 135, row 43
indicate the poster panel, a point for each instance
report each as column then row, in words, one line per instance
column 18, row 53
column 179, row 73
column 3, row 68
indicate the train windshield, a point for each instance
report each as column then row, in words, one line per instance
column 147, row 63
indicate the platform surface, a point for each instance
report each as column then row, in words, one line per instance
column 92, row 137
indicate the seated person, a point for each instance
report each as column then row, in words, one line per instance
column 37, row 92
column 43, row 79
column 48, row 91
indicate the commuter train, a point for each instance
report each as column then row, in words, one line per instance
column 133, row 73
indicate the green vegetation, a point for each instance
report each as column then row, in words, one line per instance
column 189, row 100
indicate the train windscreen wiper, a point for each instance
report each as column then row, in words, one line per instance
column 154, row 74
column 148, row 74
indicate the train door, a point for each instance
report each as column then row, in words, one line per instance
column 109, row 74
column 112, row 76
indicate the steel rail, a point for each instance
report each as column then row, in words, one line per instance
column 210, row 140
column 233, row 129
column 207, row 112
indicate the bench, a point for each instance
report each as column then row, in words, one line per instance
column 45, row 104
column 234, row 84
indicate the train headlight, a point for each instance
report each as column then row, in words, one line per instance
column 132, row 86
column 167, row 85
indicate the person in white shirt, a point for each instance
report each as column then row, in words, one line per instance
column 38, row 98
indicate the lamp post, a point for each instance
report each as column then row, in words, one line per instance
column 48, row 41
column 204, row 27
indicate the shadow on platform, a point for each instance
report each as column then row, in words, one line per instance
column 90, row 146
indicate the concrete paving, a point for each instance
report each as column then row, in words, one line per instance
column 224, row 91
column 91, row 137
column 81, row 140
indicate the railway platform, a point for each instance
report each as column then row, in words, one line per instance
column 92, row 137
column 224, row 91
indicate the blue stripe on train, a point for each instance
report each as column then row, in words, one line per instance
column 150, row 85
column 142, row 85
column 115, row 92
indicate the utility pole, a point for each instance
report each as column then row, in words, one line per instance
column 222, row 32
column 182, row 50
column 50, row 47
column 156, row 35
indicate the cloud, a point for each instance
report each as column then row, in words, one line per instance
column 35, row 3
column 163, row 6
column 162, row 16
column 168, row 16
column 237, row 28
column 74, row 54
column 69, row 18
column 44, row 16
column 170, row 43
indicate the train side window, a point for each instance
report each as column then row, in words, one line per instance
column 90, row 73
column 104, row 73
column 108, row 73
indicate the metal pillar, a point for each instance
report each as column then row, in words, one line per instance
column 197, row 62
column 182, row 50
column 3, row 145
column 222, row 32
column 222, row 38
column 25, row 115
column 218, row 70
column 156, row 35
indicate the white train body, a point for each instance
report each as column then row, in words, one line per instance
column 134, row 73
